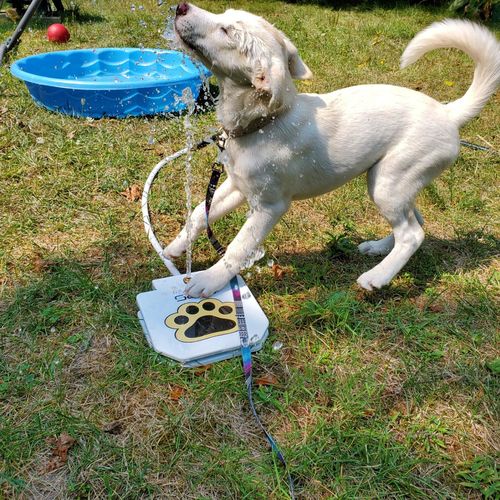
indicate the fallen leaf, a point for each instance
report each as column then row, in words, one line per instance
column 160, row 150
column 278, row 272
column 53, row 464
column 40, row 264
column 115, row 427
column 132, row 193
column 267, row 379
column 176, row 392
column 61, row 446
column 201, row 370
column 449, row 83
column 71, row 134
column 436, row 307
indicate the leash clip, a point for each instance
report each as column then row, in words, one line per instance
column 221, row 140
column 217, row 167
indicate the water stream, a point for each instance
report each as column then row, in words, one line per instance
column 188, row 99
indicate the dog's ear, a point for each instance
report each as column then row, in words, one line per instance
column 269, row 79
column 298, row 68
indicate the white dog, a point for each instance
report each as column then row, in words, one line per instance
column 285, row 146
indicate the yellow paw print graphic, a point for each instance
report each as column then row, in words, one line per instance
column 202, row 320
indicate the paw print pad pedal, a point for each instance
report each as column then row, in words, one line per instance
column 194, row 331
column 196, row 321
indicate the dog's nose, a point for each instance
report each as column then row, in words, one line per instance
column 182, row 9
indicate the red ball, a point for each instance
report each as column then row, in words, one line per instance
column 57, row 33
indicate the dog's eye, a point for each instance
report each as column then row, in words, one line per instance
column 224, row 30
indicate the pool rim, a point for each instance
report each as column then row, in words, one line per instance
column 97, row 85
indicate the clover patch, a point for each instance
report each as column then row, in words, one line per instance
column 195, row 321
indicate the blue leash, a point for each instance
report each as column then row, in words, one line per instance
column 246, row 351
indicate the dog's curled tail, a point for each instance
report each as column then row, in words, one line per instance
column 476, row 41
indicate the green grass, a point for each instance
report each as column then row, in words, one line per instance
column 392, row 394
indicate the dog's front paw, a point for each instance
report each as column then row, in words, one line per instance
column 176, row 248
column 206, row 283
column 372, row 279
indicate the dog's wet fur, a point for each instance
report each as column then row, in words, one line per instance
column 284, row 146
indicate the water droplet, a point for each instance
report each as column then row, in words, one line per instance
column 253, row 257
column 277, row 345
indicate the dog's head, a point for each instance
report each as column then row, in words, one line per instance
column 243, row 48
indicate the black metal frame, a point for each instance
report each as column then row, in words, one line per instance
column 12, row 41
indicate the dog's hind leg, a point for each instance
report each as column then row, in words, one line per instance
column 393, row 189
column 226, row 198
column 408, row 236
column 384, row 245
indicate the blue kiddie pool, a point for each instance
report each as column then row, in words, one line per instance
column 117, row 82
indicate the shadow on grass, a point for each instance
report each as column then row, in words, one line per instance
column 435, row 257
column 74, row 15
column 77, row 295
column 66, row 285
column 367, row 5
